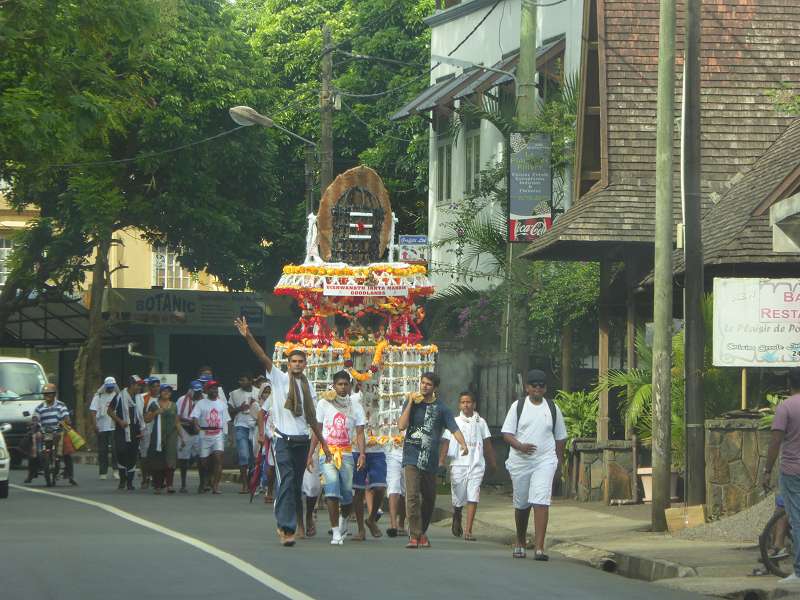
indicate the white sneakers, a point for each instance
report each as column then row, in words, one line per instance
column 114, row 474
column 103, row 477
column 792, row 580
column 343, row 527
column 338, row 538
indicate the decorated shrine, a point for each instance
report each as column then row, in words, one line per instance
column 359, row 308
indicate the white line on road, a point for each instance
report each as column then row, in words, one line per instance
column 237, row 563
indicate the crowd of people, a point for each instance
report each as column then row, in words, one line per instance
column 302, row 445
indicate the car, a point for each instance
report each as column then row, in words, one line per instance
column 21, row 383
column 5, row 461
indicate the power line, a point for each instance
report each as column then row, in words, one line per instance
column 416, row 79
column 372, row 127
column 100, row 163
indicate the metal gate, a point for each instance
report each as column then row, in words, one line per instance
column 496, row 389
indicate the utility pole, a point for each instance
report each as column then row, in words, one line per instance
column 694, row 327
column 662, row 296
column 309, row 178
column 527, row 109
column 326, row 113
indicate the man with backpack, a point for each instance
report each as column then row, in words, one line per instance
column 535, row 433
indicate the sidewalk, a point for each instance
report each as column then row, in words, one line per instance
column 617, row 539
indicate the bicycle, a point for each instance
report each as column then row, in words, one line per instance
column 776, row 543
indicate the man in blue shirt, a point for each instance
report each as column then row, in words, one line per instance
column 424, row 419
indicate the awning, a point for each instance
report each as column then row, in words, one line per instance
column 475, row 80
column 55, row 324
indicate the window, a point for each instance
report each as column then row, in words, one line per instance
column 5, row 254
column 442, row 127
column 444, row 171
column 168, row 272
column 472, row 155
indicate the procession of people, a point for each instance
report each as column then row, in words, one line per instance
column 301, row 444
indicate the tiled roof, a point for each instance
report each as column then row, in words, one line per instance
column 748, row 48
column 731, row 234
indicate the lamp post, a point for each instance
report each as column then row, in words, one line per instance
column 246, row 116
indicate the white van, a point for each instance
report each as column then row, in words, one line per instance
column 21, row 383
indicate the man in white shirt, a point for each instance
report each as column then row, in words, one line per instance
column 466, row 472
column 293, row 413
column 536, row 435
column 211, row 418
column 103, row 424
column 240, row 405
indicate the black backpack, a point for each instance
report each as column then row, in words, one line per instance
column 550, row 404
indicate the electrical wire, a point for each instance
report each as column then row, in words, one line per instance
column 118, row 161
column 372, row 128
column 416, row 79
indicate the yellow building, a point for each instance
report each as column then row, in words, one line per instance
column 161, row 318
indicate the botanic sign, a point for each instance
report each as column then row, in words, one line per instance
column 756, row 322
column 530, row 187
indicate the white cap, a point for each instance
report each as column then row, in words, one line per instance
column 109, row 381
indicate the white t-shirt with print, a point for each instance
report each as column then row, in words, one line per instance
column 474, row 430
column 238, row 398
column 339, row 427
column 283, row 419
column 211, row 415
column 100, row 404
column 535, row 427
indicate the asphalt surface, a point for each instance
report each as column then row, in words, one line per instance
column 54, row 547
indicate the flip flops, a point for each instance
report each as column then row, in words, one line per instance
column 539, row 555
column 468, row 537
column 519, row 552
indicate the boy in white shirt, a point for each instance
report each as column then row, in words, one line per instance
column 536, row 435
column 341, row 420
column 466, row 472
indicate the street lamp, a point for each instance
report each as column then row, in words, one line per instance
column 246, row 116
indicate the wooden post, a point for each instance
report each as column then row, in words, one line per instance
column 566, row 358
column 602, row 350
column 744, row 388
column 662, row 278
column 630, row 325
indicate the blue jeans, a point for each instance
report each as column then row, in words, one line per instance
column 338, row 483
column 290, row 465
column 244, row 446
column 790, row 490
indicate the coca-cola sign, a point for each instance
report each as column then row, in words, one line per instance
column 525, row 230
column 529, row 187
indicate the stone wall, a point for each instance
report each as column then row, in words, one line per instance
column 605, row 471
column 736, row 451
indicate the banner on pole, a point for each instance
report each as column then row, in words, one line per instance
column 530, row 187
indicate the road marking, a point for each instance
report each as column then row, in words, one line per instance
column 237, row 563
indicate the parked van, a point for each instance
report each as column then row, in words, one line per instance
column 21, row 383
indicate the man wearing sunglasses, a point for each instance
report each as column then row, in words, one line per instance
column 535, row 432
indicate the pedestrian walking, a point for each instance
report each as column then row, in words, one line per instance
column 535, row 432
column 369, row 483
column 240, row 406
column 162, row 452
column 466, row 472
column 188, row 439
column 265, row 435
column 104, row 426
column 128, row 425
column 342, row 420
column 424, row 418
column 395, row 488
column 293, row 414
column 153, row 391
column 211, row 417
column 786, row 439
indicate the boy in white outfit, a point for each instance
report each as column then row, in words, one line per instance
column 466, row 472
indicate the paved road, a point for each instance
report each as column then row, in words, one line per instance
column 134, row 544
